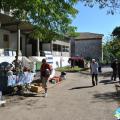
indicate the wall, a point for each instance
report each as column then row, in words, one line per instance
column 67, row 54
column 8, row 59
column 12, row 40
column 46, row 47
column 61, row 42
column 2, row 32
column 72, row 50
column 29, row 49
column 57, row 61
column 89, row 48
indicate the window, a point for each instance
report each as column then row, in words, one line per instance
column 54, row 47
column 59, row 48
column 65, row 48
column 6, row 41
column 6, row 38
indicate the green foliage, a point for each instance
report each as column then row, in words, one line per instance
column 116, row 32
column 52, row 17
column 112, row 5
column 111, row 50
column 69, row 69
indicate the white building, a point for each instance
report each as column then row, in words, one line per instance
column 14, row 36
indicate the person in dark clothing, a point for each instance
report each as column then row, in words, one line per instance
column 119, row 70
column 114, row 67
column 17, row 65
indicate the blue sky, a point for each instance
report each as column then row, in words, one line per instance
column 95, row 20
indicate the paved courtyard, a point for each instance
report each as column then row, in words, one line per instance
column 72, row 99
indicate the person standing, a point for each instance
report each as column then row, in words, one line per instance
column 114, row 68
column 119, row 70
column 45, row 71
column 94, row 72
column 17, row 65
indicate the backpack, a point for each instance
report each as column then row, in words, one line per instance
column 47, row 73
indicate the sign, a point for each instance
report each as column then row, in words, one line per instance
column 49, row 57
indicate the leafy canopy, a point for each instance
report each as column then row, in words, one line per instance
column 52, row 17
column 113, row 5
column 111, row 49
column 116, row 32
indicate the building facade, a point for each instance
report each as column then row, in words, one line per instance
column 87, row 45
column 14, row 36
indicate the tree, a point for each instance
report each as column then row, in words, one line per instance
column 51, row 17
column 111, row 50
column 107, row 55
column 113, row 5
column 116, row 32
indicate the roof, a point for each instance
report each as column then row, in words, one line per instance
column 88, row 36
column 10, row 23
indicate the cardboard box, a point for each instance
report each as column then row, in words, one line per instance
column 36, row 89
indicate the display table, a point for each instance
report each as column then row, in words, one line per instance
column 20, row 79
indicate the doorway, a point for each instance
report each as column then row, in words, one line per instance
column 5, row 41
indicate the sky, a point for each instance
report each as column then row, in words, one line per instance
column 95, row 20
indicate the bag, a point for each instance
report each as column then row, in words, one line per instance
column 47, row 73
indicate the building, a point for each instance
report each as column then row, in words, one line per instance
column 87, row 45
column 14, row 35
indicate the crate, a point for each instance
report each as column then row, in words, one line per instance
column 36, row 89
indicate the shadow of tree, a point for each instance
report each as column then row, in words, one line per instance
column 108, row 82
column 30, row 95
column 85, row 73
column 104, row 74
column 109, row 96
column 107, row 74
column 80, row 87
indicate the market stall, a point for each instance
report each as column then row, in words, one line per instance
column 10, row 78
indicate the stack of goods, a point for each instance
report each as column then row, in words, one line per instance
column 63, row 75
column 20, row 79
column 55, row 79
column 36, row 88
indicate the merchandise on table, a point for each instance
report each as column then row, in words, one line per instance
column 20, row 79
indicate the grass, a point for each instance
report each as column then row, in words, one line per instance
column 69, row 69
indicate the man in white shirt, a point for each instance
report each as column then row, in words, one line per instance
column 94, row 72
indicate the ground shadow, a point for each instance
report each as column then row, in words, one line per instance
column 32, row 95
column 109, row 96
column 108, row 82
column 85, row 73
column 28, row 94
column 37, row 81
column 104, row 74
column 80, row 87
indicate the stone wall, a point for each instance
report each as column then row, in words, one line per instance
column 89, row 48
